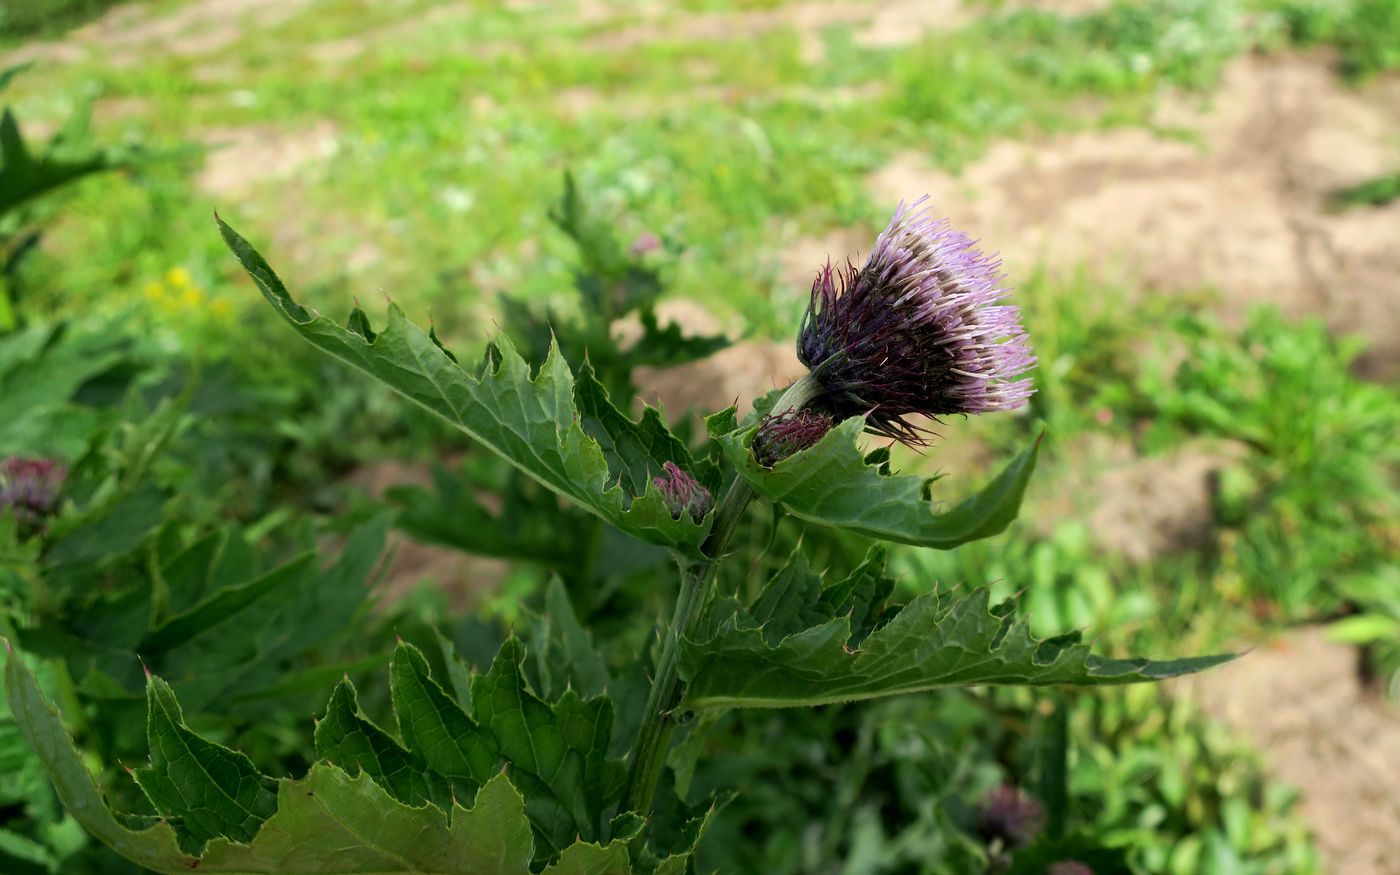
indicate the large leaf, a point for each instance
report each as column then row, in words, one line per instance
column 347, row 739
column 531, row 421
column 834, row 484
column 328, row 823
column 558, row 751
column 934, row 641
column 204, row 789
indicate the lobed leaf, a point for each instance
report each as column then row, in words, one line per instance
column 834, row 484
column 533, row 421
column 328, row 823
column 204, row 789
column 855, row 648
column 558, row 752
column 346, row 739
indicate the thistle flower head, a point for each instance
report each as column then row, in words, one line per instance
column 1011, row 815
column 29, row 488
column 780, row 436
column 920, row 329
column 683, row 493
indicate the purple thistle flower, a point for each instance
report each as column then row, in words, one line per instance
column 1011, row 815
column 29, row 488
column 645, row 242
column 787, row 433
column 682, row 493
column 1070, row 867
column 918, row 330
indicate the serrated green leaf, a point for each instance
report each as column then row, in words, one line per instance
column 435, row 726
column 458, row 673
column 223, row 605
column 42, row 727
column 328, row 823
column 236, row 653
column 204, row 789
column 344, row 738
column 636, row 450
column 932, row 642
column 557, row 753
column 833, row 484
column 587, row 859
column 564, row 654
column 530, row 420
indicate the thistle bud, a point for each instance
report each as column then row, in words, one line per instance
column 683, row 493
column 918, row 330
column 787, row 433
column 29, row 488
column 1010, row 815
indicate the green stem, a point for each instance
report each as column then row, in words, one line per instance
column 648, row 756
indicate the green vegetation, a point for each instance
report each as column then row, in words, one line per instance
column 211, row 470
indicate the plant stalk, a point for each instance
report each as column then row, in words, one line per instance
column 648, row 758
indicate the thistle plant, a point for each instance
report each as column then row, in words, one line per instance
column 29, row 488
column 919, row 330
column 530, row 766
column 1010, row 816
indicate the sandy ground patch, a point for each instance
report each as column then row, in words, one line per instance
column 1300, row 700
column 411, row 563
column 1242, row 211
column 891, row 23
column 241, row 158
column 1137, row 507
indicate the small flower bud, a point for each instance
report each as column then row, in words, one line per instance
column 787, row 433
column 682, row 493
column 29, row 488
column 1011, row 815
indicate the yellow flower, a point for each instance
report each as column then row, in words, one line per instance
column 220, row 308
column 179, row 277
column 192, row 296
column 154, row 291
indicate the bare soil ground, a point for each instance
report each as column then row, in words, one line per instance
column 1244, row 210
column 240, row 158
column 1300, row 700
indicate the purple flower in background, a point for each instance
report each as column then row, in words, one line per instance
column 1070, row 867
column 920, row 329
column 682, row 493
column 645, row 242
column 787, row 433
column 29, row 487
column 1011, row 815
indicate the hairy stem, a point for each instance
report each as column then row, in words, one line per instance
column 648, row 758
